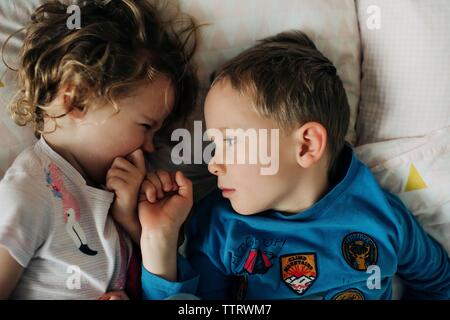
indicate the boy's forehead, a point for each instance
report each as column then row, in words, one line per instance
column 223, row 99
column 222, row 112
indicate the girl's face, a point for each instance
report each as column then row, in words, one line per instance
column 103, row 135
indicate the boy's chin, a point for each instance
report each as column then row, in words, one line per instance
column 244, row 210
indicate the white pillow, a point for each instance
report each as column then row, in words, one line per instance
column 417, row 170
column 235, row 25
column 13, row 15
column 406, row 69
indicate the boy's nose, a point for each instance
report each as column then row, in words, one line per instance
column 215, row 168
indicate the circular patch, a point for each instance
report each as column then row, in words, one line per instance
column 351, row 294
column 359, row 250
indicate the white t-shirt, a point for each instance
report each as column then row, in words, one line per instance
column 58, row 228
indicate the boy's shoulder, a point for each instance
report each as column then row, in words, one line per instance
column 355, row 194
column 356, row 179
column 365, row 198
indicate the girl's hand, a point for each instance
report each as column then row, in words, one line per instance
column 114, row 295
column 164, row 205
column 125, row 178
column 165, row 201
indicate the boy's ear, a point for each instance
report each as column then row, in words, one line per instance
column 311, row 143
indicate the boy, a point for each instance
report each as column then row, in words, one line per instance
column 320, row 227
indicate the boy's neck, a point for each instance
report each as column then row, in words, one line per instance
column 313, row 185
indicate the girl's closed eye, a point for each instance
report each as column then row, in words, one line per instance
column 147, row 126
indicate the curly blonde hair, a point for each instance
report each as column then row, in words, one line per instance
column 120, row 44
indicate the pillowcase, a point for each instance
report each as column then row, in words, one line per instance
column 417, row 170
column 233, row 26
column 405, row 70
column 13, row 15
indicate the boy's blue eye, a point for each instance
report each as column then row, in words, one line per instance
column 230, row 141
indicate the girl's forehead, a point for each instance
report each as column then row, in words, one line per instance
column 154, row 99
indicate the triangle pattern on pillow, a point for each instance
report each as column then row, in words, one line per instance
column 415, row 180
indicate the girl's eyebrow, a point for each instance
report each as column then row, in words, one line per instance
column 149, row 119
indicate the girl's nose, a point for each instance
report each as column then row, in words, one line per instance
column 149, row 147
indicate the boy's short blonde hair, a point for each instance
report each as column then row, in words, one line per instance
column 292, row 82
column 121, row 44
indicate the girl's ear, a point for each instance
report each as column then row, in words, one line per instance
column 311, row 144
column 67, row 101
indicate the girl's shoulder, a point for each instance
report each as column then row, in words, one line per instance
column 26, row 175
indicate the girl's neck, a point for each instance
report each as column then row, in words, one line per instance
column 65, row 152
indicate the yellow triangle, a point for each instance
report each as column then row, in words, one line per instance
column 1, row 84
column 415, row 181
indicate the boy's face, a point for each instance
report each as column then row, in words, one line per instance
column 248, row 190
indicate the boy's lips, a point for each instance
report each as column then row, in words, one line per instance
column 227, row 192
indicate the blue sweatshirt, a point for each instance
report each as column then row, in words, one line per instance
column 347, row 246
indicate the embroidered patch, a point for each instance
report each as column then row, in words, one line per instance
column 351, row 294
column 359, row 250
column 299, row 271
column 256, row 256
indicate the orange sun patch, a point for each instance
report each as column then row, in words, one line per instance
column 299, row 271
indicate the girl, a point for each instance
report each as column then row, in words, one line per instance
column 96, row 96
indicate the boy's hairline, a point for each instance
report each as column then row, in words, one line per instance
column 251, row 90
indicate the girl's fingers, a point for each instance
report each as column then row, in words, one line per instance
column 153, row 178
column 161, row 182
column 149, row 190
column 123, row 295
column 142, row 197
column 115, row 183
column 122, row 163
column 118, row 173
column 130, row 168
column 165, row 179
column 138, row 160
column 115, row 295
